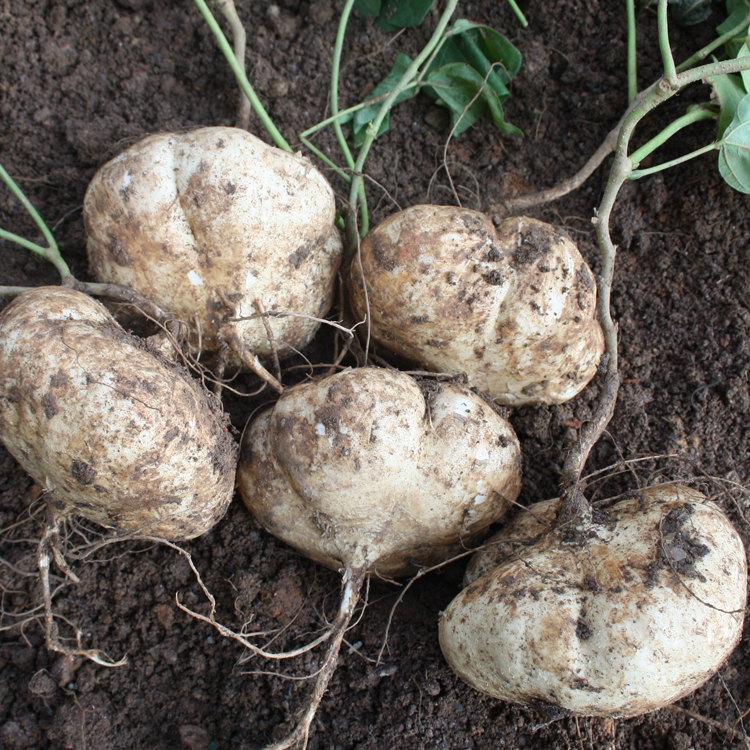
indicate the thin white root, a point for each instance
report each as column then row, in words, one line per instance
column 210, row 619
column 284, row 314
column 352, row 585
column 49, row 548
column 269, row 333
column 227, row 633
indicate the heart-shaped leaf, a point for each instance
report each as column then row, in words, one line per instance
column 729, row 91
column 403, row 14
column 367, row 7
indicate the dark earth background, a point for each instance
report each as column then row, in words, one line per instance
column 79, row 82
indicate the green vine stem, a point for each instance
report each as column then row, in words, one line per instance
column 702, row 54
column 305, row 135
column 239, row 37
column 13, row 291
column 239, row 73
column 374, row 127
column 519, row 14
column 667, row 60
column 638, row 173
column 574, row 505
column 683, row 78
column 335, row 73
column 632, row 60
column 51, row 252
column 695, row 114
column 38, row 249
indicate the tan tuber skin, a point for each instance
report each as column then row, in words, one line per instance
column 109, row 429
column 213, row 225
column 624, row 619
column 514, row 308
column 365, row 473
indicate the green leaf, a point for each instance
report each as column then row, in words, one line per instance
column 730, row 91
column 467, row 96
column 691, row 12
column 737, row 10
column 745, row 74
column 485, row 50
column 495, row 47
column 734, row 151
column 367, row 7
column 448, row 53
column 403, row 14
column 474, row 62
column 361, row 119
column 495, row 75
column 498, row 49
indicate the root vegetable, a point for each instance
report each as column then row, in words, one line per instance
column 216, row 225
column 361, row 470
column 640, row 615
column 366, row 474
column 113, row 432
column 110, row 430
column 514, row 308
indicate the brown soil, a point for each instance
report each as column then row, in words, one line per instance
column 78, row 82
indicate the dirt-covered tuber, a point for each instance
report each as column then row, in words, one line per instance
column 514, row 308
column 630, row 619
column 110, row 430
column 368, row 473
column 217, row 228
column 363, row 470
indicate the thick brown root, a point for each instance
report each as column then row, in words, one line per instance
column 249, row 358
